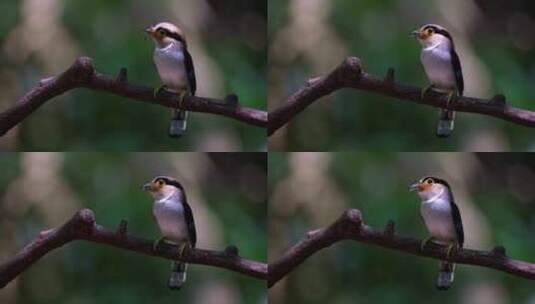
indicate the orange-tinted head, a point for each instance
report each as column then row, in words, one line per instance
column 432, row 33
column 164, row 33
column 162, row 186
column 429, row 186
column 423, row 184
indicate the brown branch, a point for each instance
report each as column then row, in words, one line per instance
column 350, row 75
column 82, row 74
column 82, row 226
column 350, row 227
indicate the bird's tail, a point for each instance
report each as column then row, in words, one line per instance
column 178, row 275
column 445, row 275
column 178, row 123
column 445, row 123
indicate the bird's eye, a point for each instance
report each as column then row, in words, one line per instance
column 429, row 181
column 429, row 31
column 160, row 182
column 161, row 32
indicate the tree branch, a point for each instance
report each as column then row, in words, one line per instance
column 350, row 227
column 82, row 226
column 350, row 75
column 82, row 74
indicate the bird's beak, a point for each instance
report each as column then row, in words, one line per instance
column 149, row 31
column 415, row 33
column 415, row 187
column 147, row 187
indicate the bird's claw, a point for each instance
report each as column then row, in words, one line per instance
column 450, row 99
column 181, row 96
column 156, row 243
column 425, row 90
column 449, row 249
column 424, row 242
column 181, row 249
column 157, row 90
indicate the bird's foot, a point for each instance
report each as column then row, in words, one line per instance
column 157, row 90
column 425, row 90
column 450, row 248
column 424, row 242
column 452, row 98
column 181, row 96
column 181, row 249
column 156, row 243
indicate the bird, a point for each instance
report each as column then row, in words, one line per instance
column 443, row 68
column 443, row 221
column 174, row 218
column 175, row 68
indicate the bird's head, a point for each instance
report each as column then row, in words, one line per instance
column 429, row 186
column 165, row 33
column 432, row 34
column 162, row 186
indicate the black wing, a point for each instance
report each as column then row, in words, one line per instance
column 188, row 215
column 458, row 223
column 191, row 72
column 458, row 71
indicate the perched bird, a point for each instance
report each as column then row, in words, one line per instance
column 443, row 221
column 175, row 67
column 443, row 69
column 175, row 220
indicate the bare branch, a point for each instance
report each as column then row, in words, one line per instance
column 350, row 227
column 82, row 74
column 82, row 226
column 350, row 75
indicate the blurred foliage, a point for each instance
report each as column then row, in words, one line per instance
column 227, row 193
column 228, row 48
column 493, row 191
column 494, row 40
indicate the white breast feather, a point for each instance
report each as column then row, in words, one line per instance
column 169, row 214
column 170, row 62
column 438, row 219
column 438, row 67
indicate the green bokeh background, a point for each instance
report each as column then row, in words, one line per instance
column 38, row 191
column 494, row 39
column 227, row 40
column 493, row 191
